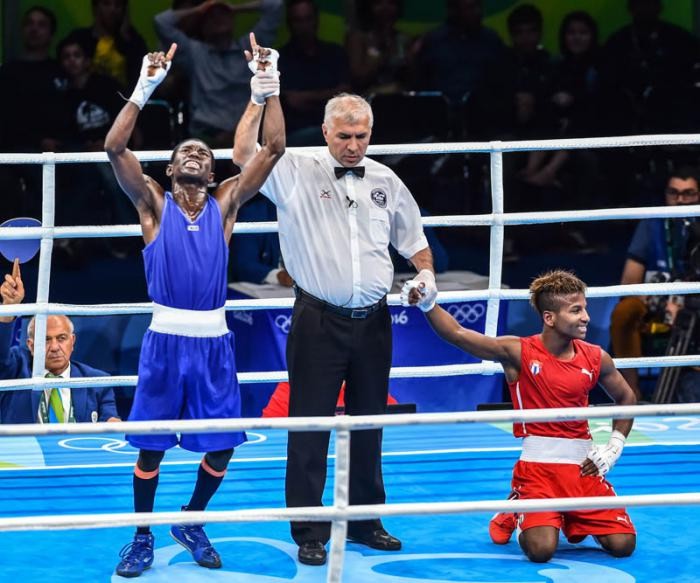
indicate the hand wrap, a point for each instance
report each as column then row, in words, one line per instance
column 424, row 282
column 147, row 84
column 605, row 456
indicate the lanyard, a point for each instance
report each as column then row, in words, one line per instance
column 44, row 410
column 670, row 252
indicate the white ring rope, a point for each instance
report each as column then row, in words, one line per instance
column 647, row 289
column 350, row 422
column 326, row 513
column 498, row 218
column 393, row 149
column 340, row 512
column 397, row 372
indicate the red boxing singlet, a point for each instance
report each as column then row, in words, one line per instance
column 545, row 382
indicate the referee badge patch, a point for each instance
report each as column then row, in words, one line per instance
column 378, row 197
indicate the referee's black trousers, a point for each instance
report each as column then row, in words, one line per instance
column 323, row 349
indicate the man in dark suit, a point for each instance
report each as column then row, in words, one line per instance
column 51, row 405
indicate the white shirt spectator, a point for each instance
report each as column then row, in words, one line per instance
column 335, row 232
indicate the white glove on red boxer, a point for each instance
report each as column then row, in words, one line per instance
column 605, row 456
column 264, row 84
column 424, row 282
column 147, row 84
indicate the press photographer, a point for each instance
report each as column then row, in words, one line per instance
column 661, row 250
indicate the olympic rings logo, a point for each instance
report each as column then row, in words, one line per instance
column 283, row 322
column 469, row 313
column 113, row 445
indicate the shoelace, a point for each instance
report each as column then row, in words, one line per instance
column 135, row 550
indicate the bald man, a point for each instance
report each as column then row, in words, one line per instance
column 52, row 405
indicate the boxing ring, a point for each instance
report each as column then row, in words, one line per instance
column 67, row 488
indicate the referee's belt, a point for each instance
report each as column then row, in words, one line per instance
column 354, row 313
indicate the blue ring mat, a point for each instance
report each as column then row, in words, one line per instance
column 92, row 474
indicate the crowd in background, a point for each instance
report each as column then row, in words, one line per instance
column 465, row 83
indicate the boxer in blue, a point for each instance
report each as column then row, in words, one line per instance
column 187, row 368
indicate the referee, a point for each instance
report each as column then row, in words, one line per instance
column 338, row 211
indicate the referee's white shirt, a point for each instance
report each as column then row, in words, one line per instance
column 335, row 233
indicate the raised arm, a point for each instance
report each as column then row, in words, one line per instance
column 127, row 169
column 236, row 191
column 12, row 290
column 12, row 293
column 246, row 138
column 273, row 145
column 263, row 84
column 503, row 349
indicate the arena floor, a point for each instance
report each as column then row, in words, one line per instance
column 92, row 474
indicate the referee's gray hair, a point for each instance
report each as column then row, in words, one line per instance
column 348, row 107
column 30, row 327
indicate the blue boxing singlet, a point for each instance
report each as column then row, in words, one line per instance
column 187, row 367
column 186, row 264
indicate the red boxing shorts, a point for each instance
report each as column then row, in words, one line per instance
column 544, row 480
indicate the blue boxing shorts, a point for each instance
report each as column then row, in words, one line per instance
column 183, row 377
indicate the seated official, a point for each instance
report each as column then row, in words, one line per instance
column 257, row 258
column 51, row 405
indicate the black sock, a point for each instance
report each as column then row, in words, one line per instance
column 144, row 497
column 207, row 484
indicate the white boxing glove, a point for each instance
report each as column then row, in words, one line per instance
column 605, row 456
column 147, row 84
column 264, row 84
column 424, row 282
column 270, row 59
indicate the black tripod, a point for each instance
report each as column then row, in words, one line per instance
column 682, row 338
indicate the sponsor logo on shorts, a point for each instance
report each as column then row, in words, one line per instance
column 245, row 316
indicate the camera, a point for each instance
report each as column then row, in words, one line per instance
column 684, row 330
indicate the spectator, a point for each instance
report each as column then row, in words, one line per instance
column 514, row 98
column 514, row 104
column 454, row 58
column 27, row 84
column 116, row 47
column 314, row 71
column 649, row 71
column 378, row 52
column 576, row 102
column 658, row 252
column 89, row 104
column 63, row 405
column 215, row 65
column 278, row 405
column 576, row 83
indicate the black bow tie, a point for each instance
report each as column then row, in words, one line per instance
column 341, row 171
